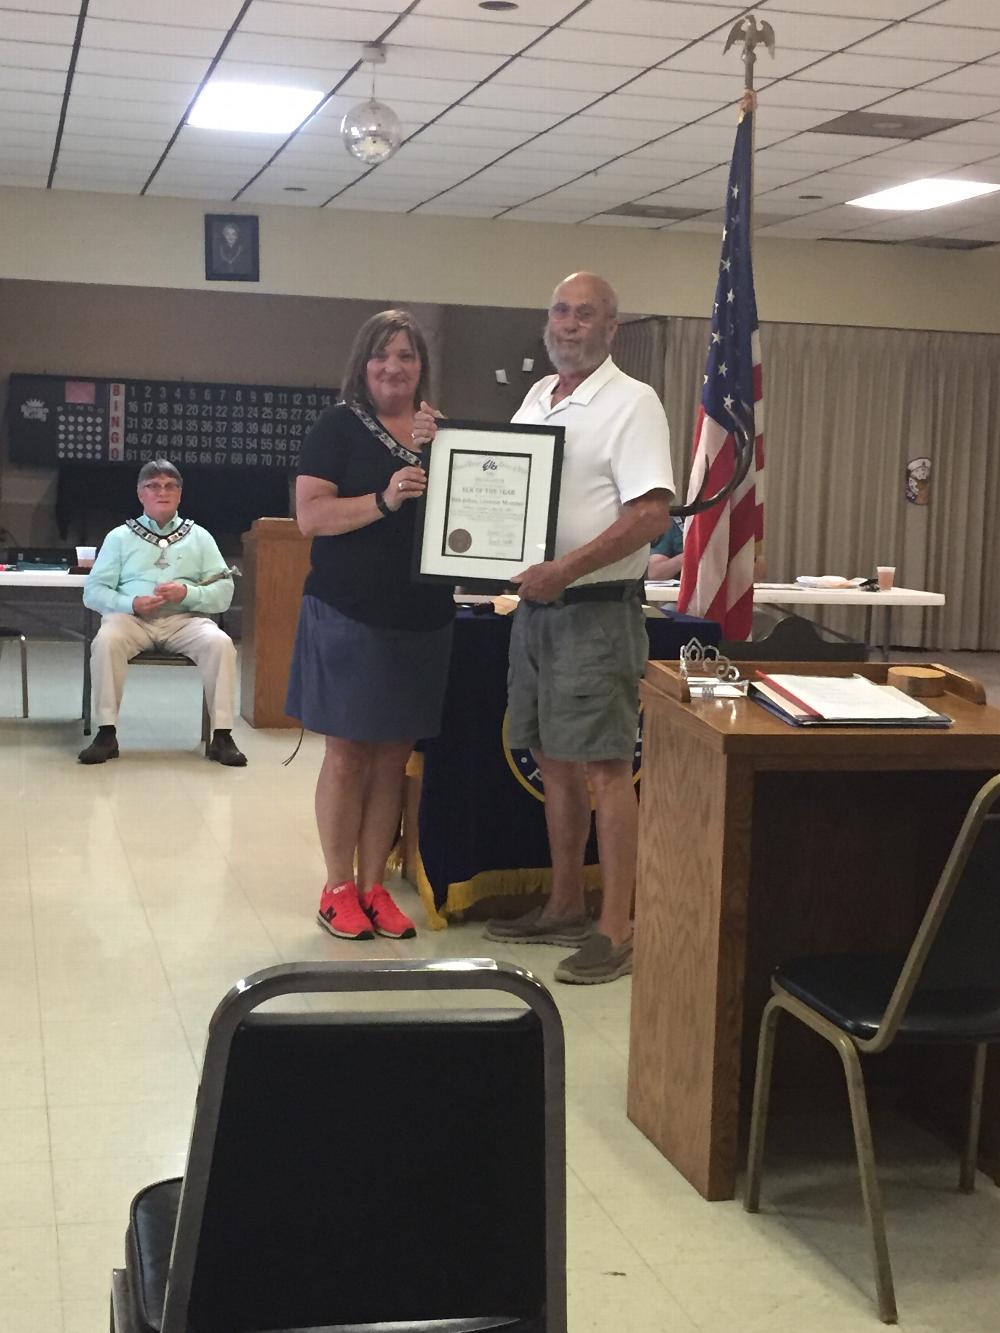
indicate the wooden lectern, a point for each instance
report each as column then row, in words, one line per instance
column 761, row 841
column 276, row 561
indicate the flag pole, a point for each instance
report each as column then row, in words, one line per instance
column 753, row 34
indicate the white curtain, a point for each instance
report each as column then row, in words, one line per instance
column 844, row 410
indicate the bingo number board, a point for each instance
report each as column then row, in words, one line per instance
column 53, row 419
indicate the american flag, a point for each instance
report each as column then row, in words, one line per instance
column 720, row 543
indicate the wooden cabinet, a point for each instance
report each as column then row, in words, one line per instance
column 758, row 842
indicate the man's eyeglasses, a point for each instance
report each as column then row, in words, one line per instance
column 161, row 487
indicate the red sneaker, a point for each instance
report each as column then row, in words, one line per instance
column 385, row 916
column 340, row 913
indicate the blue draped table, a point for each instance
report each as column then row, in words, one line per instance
column 481, row 824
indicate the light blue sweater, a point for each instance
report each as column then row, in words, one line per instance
column 126, row 568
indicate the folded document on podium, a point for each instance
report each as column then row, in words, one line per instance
column 841, row 701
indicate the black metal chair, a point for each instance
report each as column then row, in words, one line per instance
column 7, row 633
column 451, row 1161
column 946, row 989
column 794, row 639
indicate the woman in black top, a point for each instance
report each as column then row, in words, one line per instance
column 372, row 647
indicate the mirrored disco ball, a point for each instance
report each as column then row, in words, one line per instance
column 372, row 132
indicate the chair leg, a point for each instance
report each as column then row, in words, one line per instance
column 967, row 1175
column 206, row 724
column 761, row 1104
column 870, row 1192
column 24, row 676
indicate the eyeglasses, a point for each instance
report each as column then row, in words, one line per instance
column 160, row 487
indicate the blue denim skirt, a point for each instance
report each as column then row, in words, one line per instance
column 364, row 682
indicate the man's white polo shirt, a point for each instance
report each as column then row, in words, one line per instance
column 617, row 448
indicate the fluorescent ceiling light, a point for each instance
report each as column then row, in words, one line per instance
column 253, row 108
column 917, row 195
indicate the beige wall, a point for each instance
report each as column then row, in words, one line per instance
column 156, row 242
column 80, row 329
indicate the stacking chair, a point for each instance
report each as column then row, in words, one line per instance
column 946, row 989
column 6, row 633
column 794, row 639
column 361, row 1172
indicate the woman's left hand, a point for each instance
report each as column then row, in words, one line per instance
column 425, row 424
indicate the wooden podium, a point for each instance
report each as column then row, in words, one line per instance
column 275, row 566
column 761, row 841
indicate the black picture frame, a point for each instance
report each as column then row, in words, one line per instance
column 531, row 457
column 232, row 247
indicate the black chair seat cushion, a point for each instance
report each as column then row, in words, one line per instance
column 148, row 1242
column 152, row 1220
column 852, row 991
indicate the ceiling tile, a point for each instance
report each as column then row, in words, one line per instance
column 708, row 58
column 166, row 39
column 541, row 11
column 26, row 103
column 496, row 94
column 669, row 110
column 320, row 78
column 220, row 14
column 925, row 41
column 184, row 71
column 425, row 64
column 649, row 18
column 485, row 117
column 821, row 96
column 981, row 79
column 293, row 51
column 972, row 132
column 933, row 150
column 361, row 23
column 588, row 79
column 920, row 103
column 674, row 84
column 874, row 71
column 464, row 35
column 32, row 80
column 49, row 6
column 606, row 48
column 176, row 95
column 447, row 135
column 144, row 117
column 392, row 86
column 875, row 9
column 538, row 213
column 820, row 32
column 20, row 25
column 964, row 13
column 34, row 55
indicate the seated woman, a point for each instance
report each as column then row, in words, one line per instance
column 372, row 647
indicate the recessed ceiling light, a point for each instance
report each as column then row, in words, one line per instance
column 253, row 108
column 810, row 196
column 295, row 189
column 497, row 5
column 915, row 195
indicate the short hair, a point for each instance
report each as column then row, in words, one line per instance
column 158, row 467
column 371, row 338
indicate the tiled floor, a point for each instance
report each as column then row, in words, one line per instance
column 132, row 895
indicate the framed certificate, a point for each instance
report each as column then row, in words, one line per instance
column 491, row 503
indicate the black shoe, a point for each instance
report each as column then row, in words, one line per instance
column 103, row 747
column 223, row 750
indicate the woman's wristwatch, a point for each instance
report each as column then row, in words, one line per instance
column 381, row 505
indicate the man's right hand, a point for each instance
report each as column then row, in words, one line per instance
column 144, row 606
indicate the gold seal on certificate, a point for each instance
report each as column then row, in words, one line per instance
column 491, row 502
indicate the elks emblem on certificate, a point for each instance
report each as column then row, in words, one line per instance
column 491, row 502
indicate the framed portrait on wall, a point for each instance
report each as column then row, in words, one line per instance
column 232, row 247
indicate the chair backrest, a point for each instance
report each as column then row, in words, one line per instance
column 795, row 639
column 957, row 947
column 365, row 1168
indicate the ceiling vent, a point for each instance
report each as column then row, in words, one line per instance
column 884, row 125
column 950, row 243
column 661, row 212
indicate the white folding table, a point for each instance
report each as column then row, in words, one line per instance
column 795, row 594
column 16, row 586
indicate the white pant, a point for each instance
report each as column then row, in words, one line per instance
column 121, row 636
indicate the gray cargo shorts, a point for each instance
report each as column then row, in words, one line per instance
column 573, row 679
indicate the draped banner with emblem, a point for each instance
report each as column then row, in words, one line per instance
column 481, row 828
